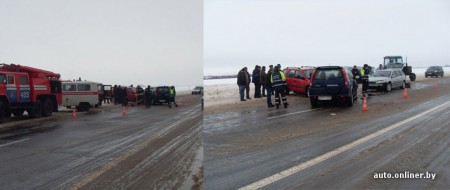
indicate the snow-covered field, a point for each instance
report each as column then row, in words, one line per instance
column 226, row 91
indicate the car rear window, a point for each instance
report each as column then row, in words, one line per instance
column 328, row 74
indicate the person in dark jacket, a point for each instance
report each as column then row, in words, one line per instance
column 268, row 85
column 148, row 94
column 262, row 80
column 257, row 81
column 356, row 75
column 247, row 84
column 278, row 81
column 241, row 82
column 124, row 96
column 115, row 94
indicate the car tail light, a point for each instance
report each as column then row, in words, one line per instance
column 345, row 77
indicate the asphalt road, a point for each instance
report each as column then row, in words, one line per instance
column 254, row 147
column 156, row 148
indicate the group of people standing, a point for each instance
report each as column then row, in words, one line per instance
column 363, row 74
column 272, row 82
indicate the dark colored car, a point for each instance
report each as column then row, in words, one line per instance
column 197, row 90
column 298, row 79
column 435, row 71
column 333, row 83
column 161, row 95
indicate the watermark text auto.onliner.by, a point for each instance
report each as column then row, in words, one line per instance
column 404, row 175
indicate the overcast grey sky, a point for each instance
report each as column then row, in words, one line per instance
column 321, row 32
column 157, row 42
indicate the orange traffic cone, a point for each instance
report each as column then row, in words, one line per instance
column 435, row 86
column 405, row 94
column 74, row 114
column 124, row 111
column 365, row 108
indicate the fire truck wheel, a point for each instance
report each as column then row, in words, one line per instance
column 2, row 112
column 18, row 112
column 35, row 110
column 47, row 109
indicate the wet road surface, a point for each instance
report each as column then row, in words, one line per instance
column 156, row 148
column 332, row 146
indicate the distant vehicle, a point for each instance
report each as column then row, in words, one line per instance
column 396, row 62
column 298, row 79
column 387, row 79
column 161, row 95
column 197, row 90
column 332, row 83
column 434, row 71
column 28, row 89
column 81, row 94
column 108, row 92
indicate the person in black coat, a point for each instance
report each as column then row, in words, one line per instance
column 242, row 82
column 262, row 80
column 269, row 87
column 257, row 81
column 248, row 80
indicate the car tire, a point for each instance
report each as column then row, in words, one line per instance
column 307, row 91
column 387, row 87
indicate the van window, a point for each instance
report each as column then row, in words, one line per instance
column 23, row 80
column 84, row 87
column 2, row 79
column 69, row 87
column 11, row 79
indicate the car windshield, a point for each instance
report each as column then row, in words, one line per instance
column 388, row 60
column 328, row 74
column 382, row 74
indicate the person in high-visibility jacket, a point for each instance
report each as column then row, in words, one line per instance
column 278, row 84
column 365, row 71
column 172, row 93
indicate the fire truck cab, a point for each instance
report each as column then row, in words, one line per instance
column 81, row 94
column 28, row 89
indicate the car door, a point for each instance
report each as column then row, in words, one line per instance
column 299, row 82
column 398, row 79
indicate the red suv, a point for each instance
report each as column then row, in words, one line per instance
column 298, row 79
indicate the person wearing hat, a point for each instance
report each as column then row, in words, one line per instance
column 278, row 81
column 256, row 78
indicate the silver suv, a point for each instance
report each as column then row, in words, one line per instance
column 387, row 79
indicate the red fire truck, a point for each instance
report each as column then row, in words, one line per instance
column 28, row 89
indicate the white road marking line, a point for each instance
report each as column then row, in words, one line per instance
column 14, row 142
column 323, row 157
column 284, row 115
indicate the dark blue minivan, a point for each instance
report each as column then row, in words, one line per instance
column 333, row 83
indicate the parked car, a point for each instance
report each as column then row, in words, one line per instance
column 332, row 83
column 387, row 79
column 161, row 95
column 435, row 71
column 197, row 90
column 298, row 79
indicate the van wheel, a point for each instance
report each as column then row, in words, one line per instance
column 2, row 112
column 47, row 108
column 35, row 110
column 83, row 106
column 313, row 102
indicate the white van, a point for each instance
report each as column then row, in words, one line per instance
column 81, row 94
